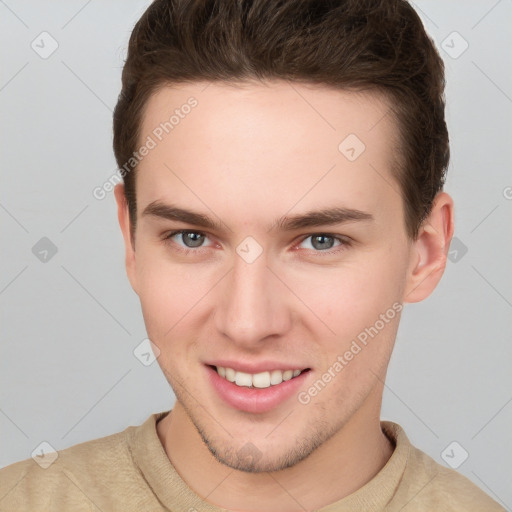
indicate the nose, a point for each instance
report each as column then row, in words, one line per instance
column 253, row 304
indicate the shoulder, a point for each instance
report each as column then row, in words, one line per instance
column 442, row 485
column 78, row 479
column 427, row 485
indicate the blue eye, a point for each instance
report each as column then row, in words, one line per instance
column 189, row 239
column 323, row 241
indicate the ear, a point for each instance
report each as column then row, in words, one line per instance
column 430, row 250
column 129, row 244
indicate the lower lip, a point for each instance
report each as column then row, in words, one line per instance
column 255, row 400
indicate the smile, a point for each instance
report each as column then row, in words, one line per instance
column 257, row 380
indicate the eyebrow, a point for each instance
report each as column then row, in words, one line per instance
column 313, row 218
column 171, row 212
column 325, row 217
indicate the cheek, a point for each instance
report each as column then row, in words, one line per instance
column 174, row 299
column 165, row 293
column 353, row 296
column 360, row 304
column 362, row 308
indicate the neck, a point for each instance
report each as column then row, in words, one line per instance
column 339, row 467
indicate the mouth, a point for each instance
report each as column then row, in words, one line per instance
column 258, row 392
column 259, row 380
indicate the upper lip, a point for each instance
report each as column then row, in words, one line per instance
column 256, row 367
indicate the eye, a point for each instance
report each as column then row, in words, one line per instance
column 324, row 242
column 186, row 240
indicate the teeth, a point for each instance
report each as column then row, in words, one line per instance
column 276, row 377
column 261, row 380
column 287, row 375
column 243, row 379
column 230, row 374
column 257, row 380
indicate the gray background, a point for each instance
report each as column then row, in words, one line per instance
column 69, row 325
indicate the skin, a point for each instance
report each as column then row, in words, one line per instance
column 247, row 155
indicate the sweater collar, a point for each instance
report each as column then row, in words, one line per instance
column 174, row 493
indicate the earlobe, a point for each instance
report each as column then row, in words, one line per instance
column 125, row 225
column 430, row 250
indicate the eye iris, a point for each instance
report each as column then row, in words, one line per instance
column 322, row 242
column 196, row 239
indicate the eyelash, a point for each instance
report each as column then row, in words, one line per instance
column 343, row 245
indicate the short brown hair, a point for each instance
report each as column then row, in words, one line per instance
column 345, row 44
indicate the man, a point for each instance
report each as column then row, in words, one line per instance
column 283, row 169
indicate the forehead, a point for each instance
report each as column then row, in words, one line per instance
column 282, row 141
column 252, row 105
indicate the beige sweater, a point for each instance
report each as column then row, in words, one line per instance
column 130, row 471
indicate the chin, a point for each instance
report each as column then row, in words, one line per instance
column 266, row 456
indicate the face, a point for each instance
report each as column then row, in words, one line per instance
column 301, row 267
